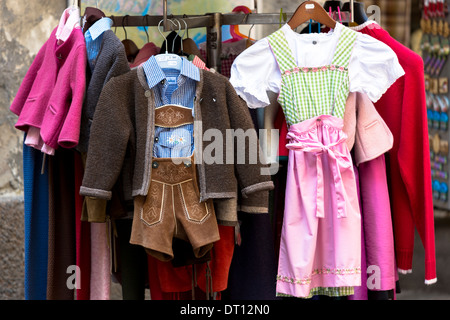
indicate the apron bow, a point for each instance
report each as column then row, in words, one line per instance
column 337, row 162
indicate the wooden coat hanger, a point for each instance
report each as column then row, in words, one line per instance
column 188, row 44
column 311, row 10
column 131, row 48
column 236, row 35
column 91, row 16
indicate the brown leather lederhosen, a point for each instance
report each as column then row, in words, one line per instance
column 172, row 207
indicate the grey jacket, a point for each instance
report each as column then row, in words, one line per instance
column 111, row 62
column 123, row 128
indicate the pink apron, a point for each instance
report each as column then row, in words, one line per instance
column 321, row 235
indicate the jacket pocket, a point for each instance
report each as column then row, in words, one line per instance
column 194, row 210
column 52, row 109
column 370, row 125
column 153, row 206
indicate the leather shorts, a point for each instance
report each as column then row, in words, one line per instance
column 172, row 209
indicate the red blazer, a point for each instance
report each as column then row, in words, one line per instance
column 403, row 108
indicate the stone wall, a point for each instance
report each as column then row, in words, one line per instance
column 24, row 28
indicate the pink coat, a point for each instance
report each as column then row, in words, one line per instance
column 51, row 95
column 368, row 134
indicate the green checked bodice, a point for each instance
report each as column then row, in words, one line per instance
column 309, row 92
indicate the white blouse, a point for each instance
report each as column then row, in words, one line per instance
column 373, row 66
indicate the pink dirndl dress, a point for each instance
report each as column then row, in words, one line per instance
column 320, row 245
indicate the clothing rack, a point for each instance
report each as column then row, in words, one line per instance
column 211, row 21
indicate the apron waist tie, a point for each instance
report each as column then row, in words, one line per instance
column 337, row 162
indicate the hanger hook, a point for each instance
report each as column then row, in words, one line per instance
column 179, row 27
column 160, row 32
column 145, row 27
column 123, row 26
column 250, row 30
column 115, row 25
column 162, row 35
column 187, row 30
column 185, row 27
column 178, row 35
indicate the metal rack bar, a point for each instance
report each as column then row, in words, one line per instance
column 214, row 43
column 199, row 21
column 154, row 20
column 206, row 20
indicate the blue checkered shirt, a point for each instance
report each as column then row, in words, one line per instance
column 176, row 87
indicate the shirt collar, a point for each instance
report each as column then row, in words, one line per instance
column 155, row 74
column 70, row 19
column 99, row 27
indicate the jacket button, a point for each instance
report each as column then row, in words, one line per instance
column 147, row 93
column 155, row 164
column 156, row 139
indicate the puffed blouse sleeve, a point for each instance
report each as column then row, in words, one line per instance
column 254, row 72
column 373, row 67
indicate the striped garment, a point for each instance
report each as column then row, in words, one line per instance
column 171, row 86
column 329, row 292
column 93, row 37
column 313, row 91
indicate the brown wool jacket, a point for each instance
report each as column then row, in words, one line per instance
column 122, row 135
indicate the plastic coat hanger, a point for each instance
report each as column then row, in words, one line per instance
column 333, row 5
column 168, row 60
column 131, row 48
column 359, row 14
column 234, row 29
column 311, row 10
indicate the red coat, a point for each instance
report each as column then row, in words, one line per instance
column 403, row 108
